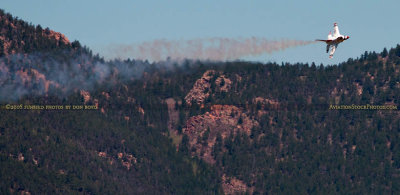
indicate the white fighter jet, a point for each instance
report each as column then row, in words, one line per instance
column 334, row 40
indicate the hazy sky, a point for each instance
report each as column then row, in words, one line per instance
column 371, row 24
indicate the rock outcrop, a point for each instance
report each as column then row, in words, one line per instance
column 223, row 83
column 202, row 87
column 202, row 130
column 59, row 37
column 85, row 95
column 231, row 185
column 222, row 120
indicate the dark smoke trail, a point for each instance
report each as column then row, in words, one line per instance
column 203, row 49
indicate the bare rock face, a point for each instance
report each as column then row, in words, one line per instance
column 221, row 121
column 202, row 130
column 141, row 110
column 127, row 160
column 231, row 185
column 106, row 95
column 359, row 88
column 102, row 154
column 85, row 95
column 30, row 77
column 265, row 102
column 202, row 87
column 56, row 36
column 21, row 157
column 223, row 83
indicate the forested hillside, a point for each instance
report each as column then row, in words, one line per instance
column 192, row 127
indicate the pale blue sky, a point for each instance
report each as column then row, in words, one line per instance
column 371, row 25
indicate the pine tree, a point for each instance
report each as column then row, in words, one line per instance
column 384, row 53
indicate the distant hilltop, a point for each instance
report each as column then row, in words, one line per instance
column 18, row 36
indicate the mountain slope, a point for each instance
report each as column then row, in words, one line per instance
column 17, row 36
column 196, row 127
column 115, row 149
column 299, row 143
